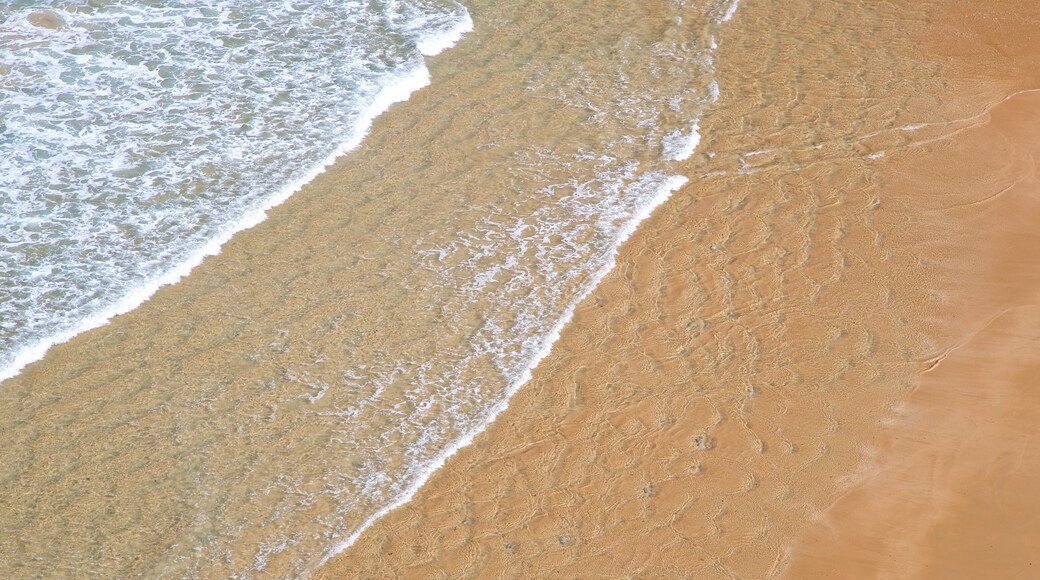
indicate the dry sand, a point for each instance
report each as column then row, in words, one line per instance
column 732, row 401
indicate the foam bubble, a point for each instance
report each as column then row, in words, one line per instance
column 679, row 145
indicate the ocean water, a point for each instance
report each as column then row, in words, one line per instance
column 387, row 332
column 134, row 135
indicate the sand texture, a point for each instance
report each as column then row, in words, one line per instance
column 872, row 208
column 951, row 490
column 861, row 209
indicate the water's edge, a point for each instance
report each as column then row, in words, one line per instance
column 398, row 90
column 677, row 146
column 665, row 192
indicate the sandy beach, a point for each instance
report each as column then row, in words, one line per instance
column 948, row 493
column 813, row 360
column 818, row 367
column 250, row 418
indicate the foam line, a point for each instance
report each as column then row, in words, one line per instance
column 435, row 44
column 671, row 184
column 679, row 146
column 730, row 11
column 396, row 91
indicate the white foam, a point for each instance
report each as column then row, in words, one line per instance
column 713, row 91
column 435, row 44
column 679, row 146
column 397, row 90
column 665, row 191
column 730, row 11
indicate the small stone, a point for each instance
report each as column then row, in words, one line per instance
column 564, row 540
column 648, row 490
column 467, row 522
column 510, row 546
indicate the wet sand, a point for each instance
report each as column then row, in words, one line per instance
column 728, row 382
column 950, row 493
column 953, row 495
column 249, row 418
column 743, row 395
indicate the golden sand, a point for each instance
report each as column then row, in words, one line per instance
column 847, row 224
column 951, row 491
column 249, row 418
column 746, row 363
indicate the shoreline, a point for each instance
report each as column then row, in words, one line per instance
column 398, row 90
column 717, row 384
column 521, row 500
column 190, row 390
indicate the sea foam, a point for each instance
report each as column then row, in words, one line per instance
column 116, row 182
column 679, row 145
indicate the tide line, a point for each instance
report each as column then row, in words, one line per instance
column 397, row 90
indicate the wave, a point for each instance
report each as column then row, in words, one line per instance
column 678, row 145
column 69, row 321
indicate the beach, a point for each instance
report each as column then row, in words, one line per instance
column 818, row 367
column 255, row 416
column 826, row 218
column 947, row 493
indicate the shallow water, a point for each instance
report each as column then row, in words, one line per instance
column 721, row 387
column 136, row 133
column 252, row 419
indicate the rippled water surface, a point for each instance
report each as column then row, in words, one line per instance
column 258, row 419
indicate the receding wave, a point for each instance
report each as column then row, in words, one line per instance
column 134, row 163
column 136, row 140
